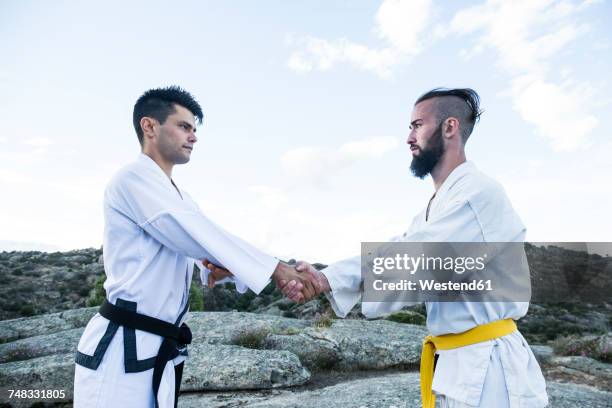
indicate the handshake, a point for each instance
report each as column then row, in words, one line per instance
column 300, row 283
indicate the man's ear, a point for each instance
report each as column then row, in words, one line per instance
column 148, row 126
column 451, row 127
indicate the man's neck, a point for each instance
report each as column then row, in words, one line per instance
column 164, row 165
column 445, row 166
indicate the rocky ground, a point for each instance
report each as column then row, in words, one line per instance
column 247, row 359
column 265, row 351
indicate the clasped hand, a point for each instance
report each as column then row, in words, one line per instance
column 300, row 283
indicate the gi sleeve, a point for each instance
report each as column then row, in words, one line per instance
column 344, row 279
column 180, row 226
column 204, row 272
column 458, row 223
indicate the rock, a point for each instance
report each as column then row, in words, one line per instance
column 313, row 350
column 308, row 310
column 542, row 353
column 44, row 324
column 400, row 390
column 54, row 372
column 586, row 365
column 228, row 327
column 563, row 395
column 373, row 345
column 354, row 345
column 264, row 353
column 272, row 310
column 15, row 259
column 38, row 346
column 221, row 367
column 598, row 347
column 394, row 390
column 77, row 259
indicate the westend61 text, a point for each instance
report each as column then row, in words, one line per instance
column 432, row 285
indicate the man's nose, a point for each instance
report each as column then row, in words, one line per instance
column 192, row 137
column 411, row 138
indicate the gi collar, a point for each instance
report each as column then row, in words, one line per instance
column 150, row 164
column 457, row 173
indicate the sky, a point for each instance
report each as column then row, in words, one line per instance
column 307, row 107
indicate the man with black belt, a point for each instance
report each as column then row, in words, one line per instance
column 154, row 233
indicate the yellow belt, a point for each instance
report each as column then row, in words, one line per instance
column 431, row 343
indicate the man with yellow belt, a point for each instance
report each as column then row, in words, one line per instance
column 483, row 361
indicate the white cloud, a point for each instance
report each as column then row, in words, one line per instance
column 38, row 142
column 558, row 111
column 558, row 204
column 401, row 23
column 13, row 177
column 398, row 23
column 322, row 55
column 300, row 220
column 272, row 198
column 526, row 35
column 318, row 163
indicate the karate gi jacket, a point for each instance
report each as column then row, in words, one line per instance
column 153, row 234
column 468, row 207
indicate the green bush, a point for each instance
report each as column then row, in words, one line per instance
column 252, row 339
column 196, row 298
column 408, row 317
column 97, row 294
column 323, row 321
column 596, row 347
column 27, row 310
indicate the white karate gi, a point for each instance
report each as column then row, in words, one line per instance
column 152, row 236
column 468, row 207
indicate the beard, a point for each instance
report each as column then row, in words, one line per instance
column 429, row 157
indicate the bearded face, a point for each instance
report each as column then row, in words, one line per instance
column 427, row 157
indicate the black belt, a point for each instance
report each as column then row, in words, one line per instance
column 174, row 336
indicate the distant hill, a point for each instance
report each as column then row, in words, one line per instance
column 44, row 282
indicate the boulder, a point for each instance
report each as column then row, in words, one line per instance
column 542, row 353
column 564, row 395
column 354, row 345
column 39, row 346
column 586, row 365
column 44, row 324
column 55, row 372
column 222, row 367
column 384, row 391
column 314, row 350
column 598, row 347
column 394, row 390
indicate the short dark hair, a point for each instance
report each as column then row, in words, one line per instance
column 159, row 103
column 461, row 103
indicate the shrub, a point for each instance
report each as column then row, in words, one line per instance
column 97, row 294
column 408, row 317
column 597, row 347
column 252, row 339
column 323, row 321
column 196, row 298
column 27, row 310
